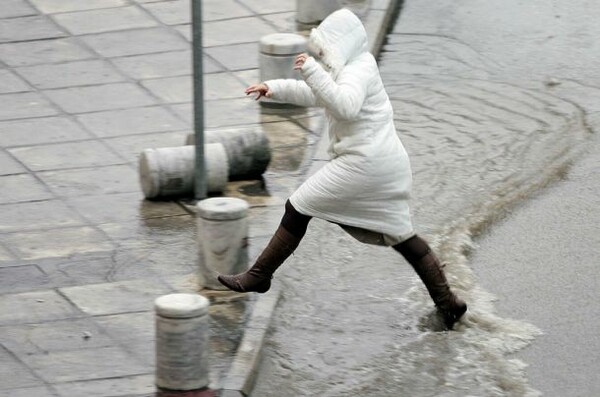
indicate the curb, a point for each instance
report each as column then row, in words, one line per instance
column 242, row 374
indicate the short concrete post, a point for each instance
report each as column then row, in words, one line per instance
column 248, row 151
column 277, row 54
column 182, row 360
column 222, row 238
column 311, row 12
column 168, row 172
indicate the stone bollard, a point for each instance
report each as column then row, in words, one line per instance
column 170, row 171
column 182, row 342
column 247, row 148
column 276, row 59
column 311, row 12
column 222, row 238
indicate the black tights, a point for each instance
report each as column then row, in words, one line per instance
column 294, row 222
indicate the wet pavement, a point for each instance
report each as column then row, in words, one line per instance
column 84, row 88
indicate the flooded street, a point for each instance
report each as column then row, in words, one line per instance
column 490, row 107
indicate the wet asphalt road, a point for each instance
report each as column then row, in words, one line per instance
column 495, row 101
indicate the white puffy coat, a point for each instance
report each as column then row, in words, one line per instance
column 367, row 183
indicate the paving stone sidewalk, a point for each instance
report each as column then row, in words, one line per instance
column 85, row 86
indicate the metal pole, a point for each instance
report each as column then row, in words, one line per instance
column 200, row 187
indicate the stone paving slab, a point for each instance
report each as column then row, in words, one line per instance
column 22, row 187
column 245, row 59
column 104, row 20
column 71, row 74
column 91, row 181
column 74, row 365
column 14, row 373
column 16, row 8
column 66, row 155
column 25, row 105
column 130, row 386
column 59, row 243
column 165, row 64
column 130, row 147
column 8, row 165
column 40, row 130
column 35, row 307
column 11, row 83
column 37, row 215
column 101, row 97
column 28, row 28
column 42, row 52
column 131, row 121
column 113, row 298
column 28, row 392
column 235, row 31
column 56, row 6
column 135, row 42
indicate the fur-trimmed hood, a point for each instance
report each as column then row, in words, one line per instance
column 338, row 39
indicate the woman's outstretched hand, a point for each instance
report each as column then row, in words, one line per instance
column 261, row 89
column 300, row 60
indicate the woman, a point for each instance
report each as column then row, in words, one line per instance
column 366, row 186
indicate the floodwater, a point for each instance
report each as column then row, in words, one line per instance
column 355, row 320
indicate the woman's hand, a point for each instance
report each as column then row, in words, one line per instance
column 300, row 60
column 261, row 89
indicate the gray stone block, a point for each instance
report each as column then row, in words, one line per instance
column 102, row 97
column 140, row 385
column 71, row 74
column 166, row 64
column 11, row 83
column 37, row 215
column 42, row 391
column 43, row 51
column 57, row 243
column 131, row 121
column 130, row 147
column 23, row 187
column 28, row 28
column 175, row 12
column 22, row 278
column 270, row 6
column 171, row 89
column 236, row 56
column 113, row 298
column 235, row 31
column 90, row 181
column 27, row 132
column 35, row 307
column 16, row 8
column 54, row 6
column 135, row 42
column 77, row 365
column 55, row 336
column 18, row 106
column 66, row 155
column 8, row 165
column 14, row 374
column 105, row 20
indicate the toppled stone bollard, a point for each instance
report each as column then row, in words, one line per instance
column 276, row 58
column 170, row 171
column 222, row 238
column 182, row 342
column 247, row 148
column 311, row 12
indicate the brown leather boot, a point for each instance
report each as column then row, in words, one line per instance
column 258, row 277
column 418, row 253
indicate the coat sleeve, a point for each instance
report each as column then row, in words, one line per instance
column 292, row 91
column 345, row 96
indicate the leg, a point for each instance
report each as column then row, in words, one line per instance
column 285, row 241
column 418, row 253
